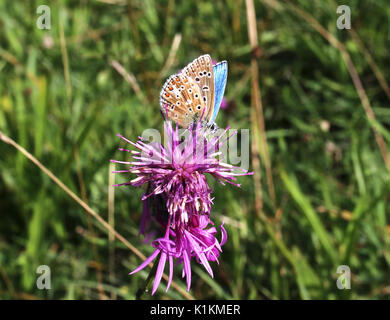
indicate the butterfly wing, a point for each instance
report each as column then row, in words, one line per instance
column 181, row 100
column 201, row 71
column 220, row 76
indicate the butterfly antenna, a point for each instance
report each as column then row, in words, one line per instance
column 162, row 114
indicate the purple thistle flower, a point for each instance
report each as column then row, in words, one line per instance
column 178, row 192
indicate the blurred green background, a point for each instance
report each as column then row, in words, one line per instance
column 320, row 195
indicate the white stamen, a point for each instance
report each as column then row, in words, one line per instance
column 136, row 179
column 184, row 217
column 197, row 205
column 226, row 165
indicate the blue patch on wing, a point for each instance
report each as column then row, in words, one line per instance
column 220, row 76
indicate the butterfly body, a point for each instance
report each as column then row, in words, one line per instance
column 195, row 94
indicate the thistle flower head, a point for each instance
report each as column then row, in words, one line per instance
column 175, row 175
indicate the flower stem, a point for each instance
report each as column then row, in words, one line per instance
column 143, row 288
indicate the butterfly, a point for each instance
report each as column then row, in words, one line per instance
column 195, row 94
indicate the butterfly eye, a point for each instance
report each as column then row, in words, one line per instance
column 182, row 88
column 178, row 103
column 209, row 74
column 190, row 109
column 176, row 115
column 199, row 107
column 172, row 107
column 205, row 88
column 177, row 96
column 186, row 115
column 190, row 90
column 200, row 74
column 204, row 98
column 196, row 95
column 204, row 73
column 197, row 79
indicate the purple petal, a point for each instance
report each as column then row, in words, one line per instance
column 159, row 272
column 200, row 255
column 187, row 268
column 145, row 218
column 146, row 262
column 224, row 234
column 170, row 273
